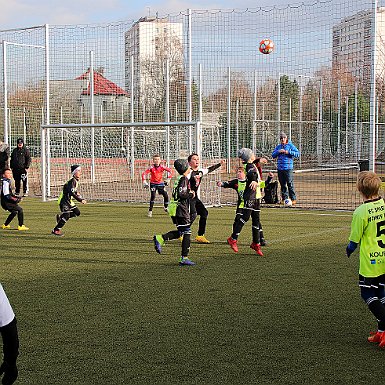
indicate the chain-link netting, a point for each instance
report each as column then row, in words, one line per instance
column 205, row 65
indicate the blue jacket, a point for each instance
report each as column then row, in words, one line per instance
column 285, row 161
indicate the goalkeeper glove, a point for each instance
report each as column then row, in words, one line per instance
column 145, row 184
column 350, row 248
column 10, row 373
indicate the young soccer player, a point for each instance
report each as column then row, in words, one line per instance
column 156, row 182
column 259, row 162
column 239, row 185
column 179, row 211
column 10, row 337
column 67, row 199
column 368, row 231
column 196, row 206
column 9, row 202
column 251, row 203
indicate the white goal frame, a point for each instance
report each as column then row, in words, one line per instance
column 194, row 144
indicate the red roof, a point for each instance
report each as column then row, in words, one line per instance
column 102, row 86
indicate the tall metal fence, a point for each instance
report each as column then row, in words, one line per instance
column 318, row 86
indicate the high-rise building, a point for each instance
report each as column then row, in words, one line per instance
column 352, row 44
column 149, row 44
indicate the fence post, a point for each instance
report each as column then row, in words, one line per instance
column 228, row 119
column 43, row 165
column 372, row 135
column 92, row 91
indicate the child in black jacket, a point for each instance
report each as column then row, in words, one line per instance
column 179, row 210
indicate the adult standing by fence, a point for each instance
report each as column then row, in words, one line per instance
column 20, row 162
column 285, row 152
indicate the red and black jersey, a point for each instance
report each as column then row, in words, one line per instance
column 156, row 173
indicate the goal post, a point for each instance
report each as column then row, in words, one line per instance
column 113, row 155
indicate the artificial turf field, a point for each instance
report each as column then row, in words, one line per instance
column 99, row 306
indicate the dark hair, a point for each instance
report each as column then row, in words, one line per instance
column 190, row 156
column 4, row 170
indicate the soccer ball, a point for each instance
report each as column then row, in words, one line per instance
column 266, row 46
column 288, row 202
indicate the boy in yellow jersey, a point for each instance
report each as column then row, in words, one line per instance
column 67, row 200
column 368, row 231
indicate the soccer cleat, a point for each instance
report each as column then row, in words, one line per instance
column 158, row 243
column 375, row 337
column 202, row 239
column 382, row 341
column 257, row 248
column 233, row 244
column 22, row 228
column 5, row 227
column 293, row 202
column 149, row 214
column 165, row 209
column 58, row 233
column 184, row 261
column 25, row 194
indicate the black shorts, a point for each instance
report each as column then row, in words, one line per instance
column 180, row 221
column 371, row 282
column 252, row 204
column 157, row 187
column 67, row 208
column 9, row 206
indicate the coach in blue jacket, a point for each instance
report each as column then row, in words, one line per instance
column 285, row 152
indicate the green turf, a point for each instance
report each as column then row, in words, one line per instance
column 99, row 306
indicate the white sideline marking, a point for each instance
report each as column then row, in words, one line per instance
column 319, row 233
column 325, row 214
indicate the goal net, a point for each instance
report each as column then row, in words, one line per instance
column 113, row 157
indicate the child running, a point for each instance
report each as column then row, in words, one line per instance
column 67, row 202
column 156, row 182
column 179, row 211
column 10, row 202
column 368, row 231
column 250, row 203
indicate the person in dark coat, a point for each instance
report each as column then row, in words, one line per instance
column 20, row 162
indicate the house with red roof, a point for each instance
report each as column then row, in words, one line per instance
column 71, row 99
column 108, row 96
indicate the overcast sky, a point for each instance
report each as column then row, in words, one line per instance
column 28, row 13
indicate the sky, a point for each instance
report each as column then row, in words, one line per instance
column 29, row 13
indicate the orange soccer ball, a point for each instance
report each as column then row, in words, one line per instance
column 266, row 46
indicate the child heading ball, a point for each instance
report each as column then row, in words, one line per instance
column 368, row 230
column 179, row 210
